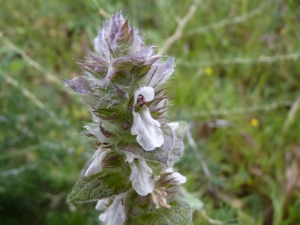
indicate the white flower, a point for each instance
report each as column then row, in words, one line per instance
column 94, row 129
column 147, row 129
column 115, row 213
column 102, row 204
column 96, row 167
column 174, row 178
column 141, row 175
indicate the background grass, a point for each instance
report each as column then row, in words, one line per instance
column 236, row 83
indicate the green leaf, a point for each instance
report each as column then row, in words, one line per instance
column 179, row 129
column 113, row 180
column 177, row 151
column 169, row 138
column 194, row 202
column 141, row 211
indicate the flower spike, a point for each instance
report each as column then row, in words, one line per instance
column 124, row 86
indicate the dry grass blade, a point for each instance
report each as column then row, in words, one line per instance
column 196, row 151
column 49, row 76
column 31, row 97
column 245, row 110
column 291, row 116
column 178, row 32
column 232, row 21
column 259, row 59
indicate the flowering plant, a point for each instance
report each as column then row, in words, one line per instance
column 131, row 173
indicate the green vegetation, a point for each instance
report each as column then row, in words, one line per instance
column 236, row 83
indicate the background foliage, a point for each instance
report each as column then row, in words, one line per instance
column 236, row 83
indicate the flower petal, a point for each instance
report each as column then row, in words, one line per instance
column 96, row 167
column 94, row 129
column 141, row 175
column 174, row 178
column 146, row 92
column 130, row 157
column 115, row 213
column 147, row 129
column 102, row 204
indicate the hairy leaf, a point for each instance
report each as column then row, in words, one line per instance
column 178, row 147
column 80, row 85
column 160, row 154
column 180, row 128
column 141, row 211
column 176, row 152
column 113, row 180
column 157, row 155
column 160, row 72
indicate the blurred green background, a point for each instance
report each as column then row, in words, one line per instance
column 236, row 83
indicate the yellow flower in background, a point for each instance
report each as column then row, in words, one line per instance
column 250, row 182
column 254, row 122
column 79, row 151
column 208, row 71
column 80, row 113
column 283, row 31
